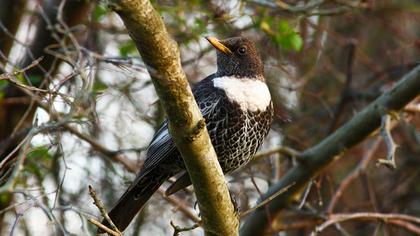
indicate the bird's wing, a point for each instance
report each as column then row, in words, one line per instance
column 160, row 148
column 162, row 145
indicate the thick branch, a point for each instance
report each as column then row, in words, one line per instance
column 160, row 53
column 319, row 156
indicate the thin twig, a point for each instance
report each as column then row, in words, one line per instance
column 178, row 229
column 103, row 227
column 346, row 91
column 23, row 146
column 306, row 194
column 390, row 144
column 98, row 203
column 406, row 225
column 11, row 154
column 279, row 150
column 283, row 190
column 412, row 107
column 335, row 218
column 353, row 174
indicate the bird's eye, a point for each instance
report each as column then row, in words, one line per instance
column 242, row 50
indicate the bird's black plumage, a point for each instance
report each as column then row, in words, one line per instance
column 236, row 124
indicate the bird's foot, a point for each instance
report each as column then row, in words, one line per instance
column 234, row 201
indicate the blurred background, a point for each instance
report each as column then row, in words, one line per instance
column 77, row 108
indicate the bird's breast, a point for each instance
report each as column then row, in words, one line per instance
column 251, row 94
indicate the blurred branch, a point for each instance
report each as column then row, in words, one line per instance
column 180, row 206
column 11, row 12
column 23, row 146
column 413, row 108
column 310, row 8
column 287, row 151
column 114, row 155
column 346, row 91
column 353, row 174
column 330, row 148
column 389, row 141
column 288, row 7
column 387, row 218
column 266, row 201
column 187, row 127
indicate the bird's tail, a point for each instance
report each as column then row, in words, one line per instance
column 133, row 200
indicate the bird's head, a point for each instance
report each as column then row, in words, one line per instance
column 238, row 57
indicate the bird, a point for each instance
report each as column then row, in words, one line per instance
column 236, row 104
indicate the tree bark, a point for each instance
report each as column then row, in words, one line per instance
column 187, row 127
column 329, row 149
column 11, row 12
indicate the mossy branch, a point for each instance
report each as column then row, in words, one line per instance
column 318, row 157
column 161, row 54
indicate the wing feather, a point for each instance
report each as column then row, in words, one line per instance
column 162, row 145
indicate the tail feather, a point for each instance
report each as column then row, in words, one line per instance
column 182, row 182
column 133, row 200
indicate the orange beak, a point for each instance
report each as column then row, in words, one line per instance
column 218, row 45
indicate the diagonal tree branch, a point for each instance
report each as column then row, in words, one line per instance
column 161, row 54
column 328, row 150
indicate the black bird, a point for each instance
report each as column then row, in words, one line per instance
column 237, row 107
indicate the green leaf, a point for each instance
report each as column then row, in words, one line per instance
column 99, row 12
column 128, row 49
column 37, row 157
column 3, row 86
column 5, row 198
column 35, row 80
column 286, row 37
column 283, row 27
column 296, row 42
column 40, row 153
column 99, row 87
column 200, row 23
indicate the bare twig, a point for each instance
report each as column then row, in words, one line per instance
column 354, row 174
column 98, row 203
column 312, row 7
column 114, row 155
column 288, row 7
column 6, row 159
column 335, row 218
column 104, row 228
column 287, row 151
column 245, row 213
column 178, row 229
column 306, row 194
column 412, row 107
column 11, row 77
column 319, row 156
column 23, row 146
column 390, row 144
column 406, row 225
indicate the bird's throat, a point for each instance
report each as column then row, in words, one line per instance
column 250, row 93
